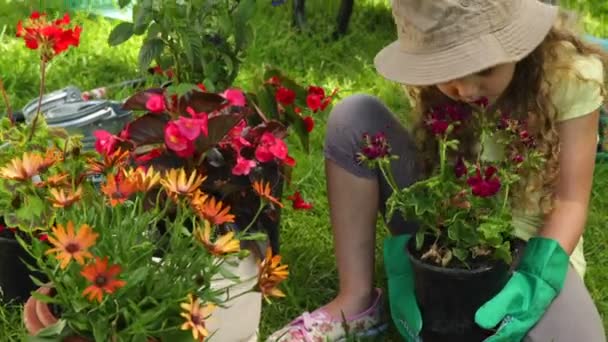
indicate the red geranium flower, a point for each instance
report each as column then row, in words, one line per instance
column 285, row 96
column 309, row 123
column 487, row 185
column 52, row 37
column 298, row 202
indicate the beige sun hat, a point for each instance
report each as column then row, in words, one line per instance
column 442, row 40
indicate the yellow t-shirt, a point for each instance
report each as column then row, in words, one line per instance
column 573, row 96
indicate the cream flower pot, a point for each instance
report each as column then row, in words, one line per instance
column 239, row 321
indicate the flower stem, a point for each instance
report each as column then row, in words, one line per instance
column 388, row 175
column 9, row 111
column 41, row 94
column 442, row 156
column 504, row 203
column 255, row 218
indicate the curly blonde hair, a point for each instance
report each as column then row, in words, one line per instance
column 529, row 97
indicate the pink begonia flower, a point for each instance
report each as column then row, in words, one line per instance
column 235, row 97
column 156, row 103
column 177, row 142
column 201, row 119
column 106, row 142
column 272, row 148
column 243, row 166
column 188, row 128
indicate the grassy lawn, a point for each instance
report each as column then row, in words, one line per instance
column 310, row 57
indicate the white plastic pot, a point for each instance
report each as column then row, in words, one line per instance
column 239, row 321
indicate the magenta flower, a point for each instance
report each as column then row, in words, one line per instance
column 485, row 186
column 199, row 119
column 235, row 97
column 243, row 166
column 270, row 147
column 177, row 142
column 156, row 103
column 106, row 143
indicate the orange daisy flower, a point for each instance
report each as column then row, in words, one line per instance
column 195, row 315
column 118, row 189
column 69, row 245
column 265, row 192
column 61, row 199
column 24, row 168
column 143, row 180
column 271, row 273
column 58, row 180
column 103, row 279
column 225, row 244
column 118, row 158
column 213, row 211
column 52, row 156
column 177, row 184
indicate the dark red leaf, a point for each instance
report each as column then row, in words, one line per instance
column 147, row 129
column 138, row 101
column 201, row 102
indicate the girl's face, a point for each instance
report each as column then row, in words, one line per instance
column 489, row 83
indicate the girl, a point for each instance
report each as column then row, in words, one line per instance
column 517, row 55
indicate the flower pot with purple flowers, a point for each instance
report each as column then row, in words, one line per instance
column 463, row 206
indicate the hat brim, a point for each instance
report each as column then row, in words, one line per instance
column 510, row 44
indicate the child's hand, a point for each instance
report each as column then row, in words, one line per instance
column 402, row 300
column 524, row 300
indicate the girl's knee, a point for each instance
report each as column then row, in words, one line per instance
column 571, row 317
column 358, row 113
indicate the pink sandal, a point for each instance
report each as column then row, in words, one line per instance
column 318, row 326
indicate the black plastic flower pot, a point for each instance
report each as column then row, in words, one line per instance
column 15, row 281
column 449, row 297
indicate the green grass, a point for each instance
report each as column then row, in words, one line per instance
column 312, row 58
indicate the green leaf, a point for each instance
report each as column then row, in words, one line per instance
column 37, row 281
column 137, row 276
column 177, row 336
column 180, row 89
column 244, row 12
column 419, row 239
column 151, row 49
column 123, row 3
column 227, row 274
column 254, row 237
column 46, row 299
column 30, row 338
column 192, row 46
column 154, row 30
column 120, row 34
column 460, row 253
column 503, row 252
column 141, row 20
column 53, row 330
column 100, row 330
column 297, row 123
column 243, row 35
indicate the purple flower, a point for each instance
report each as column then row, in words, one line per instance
column 459, row 168
column 374, row 147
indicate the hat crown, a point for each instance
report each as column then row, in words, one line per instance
column 427, row 25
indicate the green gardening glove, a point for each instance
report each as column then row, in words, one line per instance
column 402, row 300
column 523, row 301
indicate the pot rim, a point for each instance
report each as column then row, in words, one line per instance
column 7, row 240
column 448, row 270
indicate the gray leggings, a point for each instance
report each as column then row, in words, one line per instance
column 571, row 317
